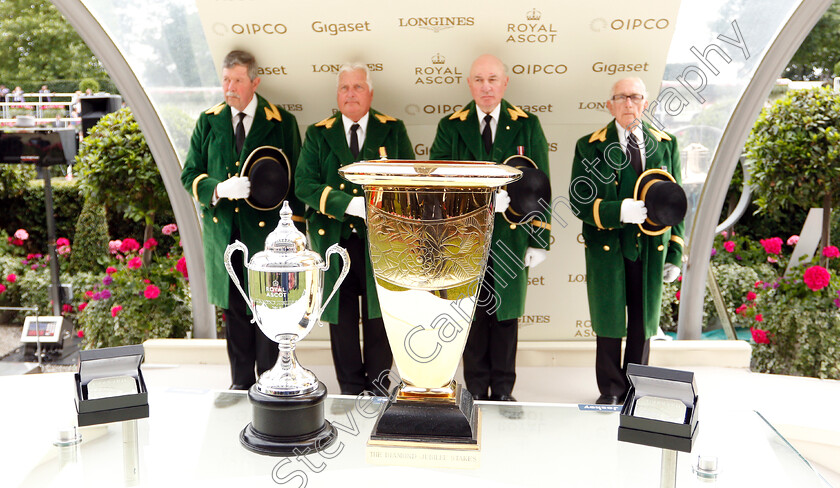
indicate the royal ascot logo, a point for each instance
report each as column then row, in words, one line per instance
column 333, row 68
column 437, row 73
column 431, row 109
column 532, row 30
column 436, row 24
column 601, row 24
column 583, row 328
column 340, row 28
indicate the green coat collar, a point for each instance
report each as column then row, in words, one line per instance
column 607, row 143
column 222, row 125
column 377, row 131
column 511, row 120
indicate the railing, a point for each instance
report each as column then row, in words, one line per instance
column 37, row 102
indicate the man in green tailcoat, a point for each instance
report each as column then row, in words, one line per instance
column 336, row 214
column 491, row 129
column 223, row 138
column 625, row 265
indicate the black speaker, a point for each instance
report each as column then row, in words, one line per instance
column 94, row 107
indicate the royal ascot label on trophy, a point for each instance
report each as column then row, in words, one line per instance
column 285, row 286
column 429, row 229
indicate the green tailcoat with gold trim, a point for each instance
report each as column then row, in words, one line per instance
column 601, row 180
column 458, row 138
column 327, row 194
column 212, row 159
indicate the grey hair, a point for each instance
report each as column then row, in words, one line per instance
column 242, row 58
column 346, row 67
column 634, row 78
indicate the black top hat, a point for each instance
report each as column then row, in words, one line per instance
column 525, row 193
column 664, row 199
column 268, row 170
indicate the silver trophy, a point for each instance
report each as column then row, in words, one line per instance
column 285, row 286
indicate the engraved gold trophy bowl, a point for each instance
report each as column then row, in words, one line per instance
column 285, row 285
column 429, row 229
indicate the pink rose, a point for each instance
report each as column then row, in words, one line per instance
column 11, row 277
column 792, row 240
column 816, row 278
column 181, row 266
column 2, row 288
column 151, row 292
column 82, row 306
column 80, row 334
column 62, row 241
column 759, row 317
column 740, row 309
column 21, row 234
column 110, row 270
column 115, row 310
column 759, row 336
column 114, row 246
column 67, row 308
column 772, row 245
column 751, row 296
column 150, row 244
column 830, row 252
column 729, row 246
column 63, row 250
column 135, row 263
column 169, row 229
column 129, row 245
column 678, row 295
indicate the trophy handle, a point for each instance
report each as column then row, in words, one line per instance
column 345, row 258
column 228, row 253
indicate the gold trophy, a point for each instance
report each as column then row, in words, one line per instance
column 429, row 228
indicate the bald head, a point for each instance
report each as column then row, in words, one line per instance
column 488, row 81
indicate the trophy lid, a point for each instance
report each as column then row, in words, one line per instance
column 411, row 173
column 285, row 248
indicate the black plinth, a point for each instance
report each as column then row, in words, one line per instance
column 288, row 426
column 430, row 420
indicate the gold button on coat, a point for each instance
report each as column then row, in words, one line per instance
column 215, row 220
column 513, row 226
column 321, row 232
column 262, row 224
column 606, row 248
column 661, row 247
column 355, row 190
column 341, row 186
column 236, row 209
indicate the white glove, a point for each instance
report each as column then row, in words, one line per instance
column 633, row 211
column 235, row 187
column 534, row 256
column 356, row 207
column 670, row 273
column 502, row 201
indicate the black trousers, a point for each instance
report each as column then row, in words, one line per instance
column 246, row 344
column 610, row 371
column 355, row 369
column 490, row 352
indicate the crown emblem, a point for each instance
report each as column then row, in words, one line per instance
column 534, row 14
column 438, row 59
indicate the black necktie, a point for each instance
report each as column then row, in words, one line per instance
column 354, row 140
column 487, row 134
column 240, row 133
column 633, row 153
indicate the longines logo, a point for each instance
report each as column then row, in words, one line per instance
column 532, row 30
column 437, row 73
column 436, row 24
column 340, row 28
column 535, row 319
column 271, row 70
column 333, row 68
column 431, row 109
column 292, row 107
column 601, row 24
column 251, row 29
column 592, row 105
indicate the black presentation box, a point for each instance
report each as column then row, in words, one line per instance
column 109, row 362
column 662, row 383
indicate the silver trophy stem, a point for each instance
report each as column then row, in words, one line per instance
column 287, row 377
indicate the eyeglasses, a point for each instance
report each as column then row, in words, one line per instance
column 635, row 98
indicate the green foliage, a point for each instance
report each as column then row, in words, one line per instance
column 90, row 246
column 819, row 54
column 127, row 313
column 28, row 211
column 88, row 83
column 14, row 178
column 795, row 147
column 116, row 168
column 38, row 43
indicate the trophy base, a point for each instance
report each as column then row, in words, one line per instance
column 288, row 426
column 429, row 420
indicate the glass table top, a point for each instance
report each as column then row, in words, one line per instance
column 191, row 438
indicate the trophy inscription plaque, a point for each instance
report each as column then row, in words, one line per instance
column 429, row 227
column 285, row 286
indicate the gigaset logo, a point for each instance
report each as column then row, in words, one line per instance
column 437, row 73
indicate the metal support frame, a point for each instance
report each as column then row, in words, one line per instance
column 204, row 316
column 777, row 55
